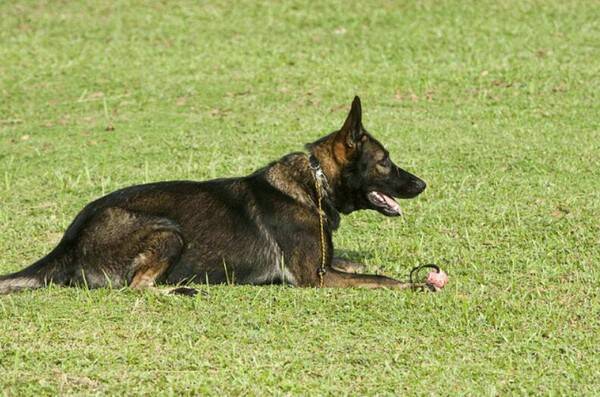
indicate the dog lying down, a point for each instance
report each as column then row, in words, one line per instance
column 272, row 226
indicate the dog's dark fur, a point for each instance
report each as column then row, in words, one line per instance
column 259, row 229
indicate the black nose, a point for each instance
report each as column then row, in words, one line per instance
column 419, row 186
column 413, row 188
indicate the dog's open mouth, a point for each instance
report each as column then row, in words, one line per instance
column 385, row 203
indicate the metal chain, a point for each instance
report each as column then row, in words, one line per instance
column 321, row 271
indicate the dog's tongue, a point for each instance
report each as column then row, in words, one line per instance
column 386, row 200
column 391, row 203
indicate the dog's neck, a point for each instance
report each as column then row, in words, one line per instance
column 319, row 175
column 324, row 154
column 322, row 183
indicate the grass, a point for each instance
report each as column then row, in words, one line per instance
column 494, row 104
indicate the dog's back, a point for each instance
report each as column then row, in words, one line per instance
column 229, row 230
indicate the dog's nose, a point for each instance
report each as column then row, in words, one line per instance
column 419, row 185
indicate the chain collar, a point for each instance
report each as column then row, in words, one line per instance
column 321, row 188
column 318, row 174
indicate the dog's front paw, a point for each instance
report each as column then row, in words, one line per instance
column 185, row 291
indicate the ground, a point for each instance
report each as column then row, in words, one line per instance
column 495, row 104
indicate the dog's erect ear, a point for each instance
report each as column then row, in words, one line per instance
column 352, row 129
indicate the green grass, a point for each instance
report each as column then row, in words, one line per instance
column 495, row 104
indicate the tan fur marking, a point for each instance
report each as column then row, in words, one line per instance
column 146, row 276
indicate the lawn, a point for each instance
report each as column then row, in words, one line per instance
column 495, row 104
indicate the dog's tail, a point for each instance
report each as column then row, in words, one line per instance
column 38, row 275
column 16, row 282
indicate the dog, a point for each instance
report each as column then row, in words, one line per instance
column 273, row 226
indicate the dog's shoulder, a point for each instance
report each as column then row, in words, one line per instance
column 291, row 175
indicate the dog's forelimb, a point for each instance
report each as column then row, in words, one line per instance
column 337, row 279
column 347, row 266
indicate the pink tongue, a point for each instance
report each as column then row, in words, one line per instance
column 390, row 201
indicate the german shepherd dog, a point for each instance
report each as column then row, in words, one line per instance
column 271, row 227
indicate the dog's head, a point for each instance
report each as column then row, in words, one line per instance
column 365, row 176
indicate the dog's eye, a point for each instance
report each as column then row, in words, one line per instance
column 384, row 166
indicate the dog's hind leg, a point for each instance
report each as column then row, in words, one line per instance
column 118, row 247
column 160, row 250
column 112, row 248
